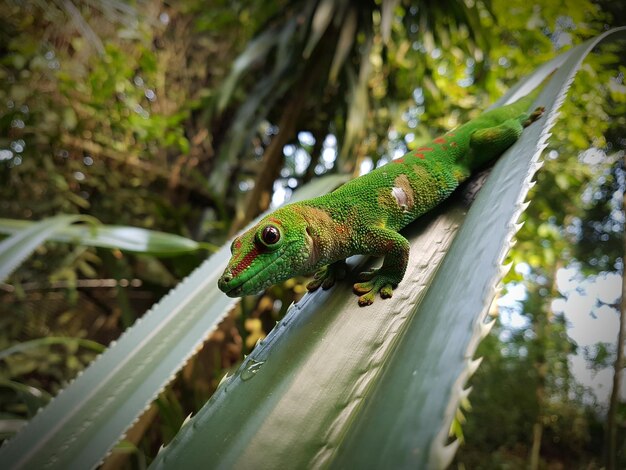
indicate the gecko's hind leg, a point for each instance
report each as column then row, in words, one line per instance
column 326, row 276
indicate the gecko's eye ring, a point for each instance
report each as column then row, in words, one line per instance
column 270, row 235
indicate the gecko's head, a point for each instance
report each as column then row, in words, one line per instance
column 275, row 249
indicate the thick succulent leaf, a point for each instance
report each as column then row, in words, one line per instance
column 82, row 424
column 335, row 385
column 133, row 239
column 23, row 242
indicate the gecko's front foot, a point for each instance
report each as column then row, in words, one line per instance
column 375, row 281
column 532, row 117
column 327, row 276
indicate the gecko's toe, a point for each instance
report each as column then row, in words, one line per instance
column 367, row 299
column 361, row 288
column 320, row 273
column 379, row 284
column 314, row 285
column 387, row 291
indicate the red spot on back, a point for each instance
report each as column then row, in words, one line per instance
column 439, row 140
column 398, row 160
column 425, row 149
column 245, row 261
column 419, row 155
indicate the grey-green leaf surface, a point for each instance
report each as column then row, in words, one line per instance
column 406, row 419
column 335, row 385
column 19, row 246
column 132, row 239
column 81, row 425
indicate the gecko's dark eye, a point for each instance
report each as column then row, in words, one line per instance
column 270, row 235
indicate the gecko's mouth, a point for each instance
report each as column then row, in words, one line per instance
column 248, row 286
column 241, row 290
column 236, row 292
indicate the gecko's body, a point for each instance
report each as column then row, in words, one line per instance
column 364, row 215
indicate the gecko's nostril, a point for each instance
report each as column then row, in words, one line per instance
column 227, row 278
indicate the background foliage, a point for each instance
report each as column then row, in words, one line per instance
column 192, row 117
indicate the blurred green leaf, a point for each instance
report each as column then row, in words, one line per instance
column 10, row 427
column 26, row 238
column 50, row 340
column 133, row 239
column 34, row 398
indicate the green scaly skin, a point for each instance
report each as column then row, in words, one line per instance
column 364, row 215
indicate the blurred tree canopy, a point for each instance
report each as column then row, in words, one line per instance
column 192, row 117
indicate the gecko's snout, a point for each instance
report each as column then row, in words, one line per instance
column 223, row 281
column 224, row 284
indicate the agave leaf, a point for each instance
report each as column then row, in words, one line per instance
column 23, row 242
column 81, row 425
column 133, row 239
column 335, row 385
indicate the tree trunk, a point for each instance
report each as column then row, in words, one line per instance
column 611, row 418
column 542, row 326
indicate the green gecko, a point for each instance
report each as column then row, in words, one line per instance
column 363, row 216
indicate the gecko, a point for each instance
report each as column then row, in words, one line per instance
column 364, row 215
